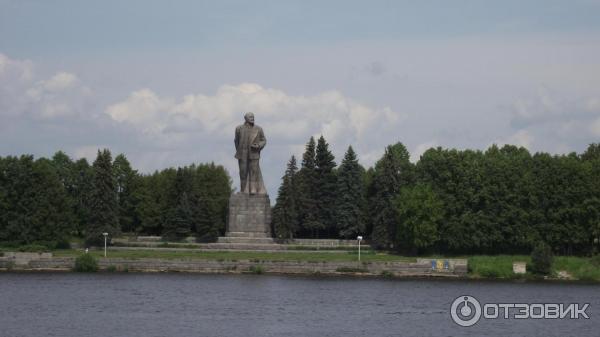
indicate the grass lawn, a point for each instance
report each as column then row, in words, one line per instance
column 500, row 266
column 310, row 256
column 480, row 266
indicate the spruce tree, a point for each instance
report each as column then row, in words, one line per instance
column 83, row 181
column 178, row 215
column 350, row 197
column 104, row 217
column 152, row 203
column 386, row 184
column 178, row 222
column 128, row 193
column 326, row 183
column 285, row 213
column 307, row 186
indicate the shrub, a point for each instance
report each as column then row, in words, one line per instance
column 488, row 271
column 86, row 263
column 541, row 259
column 256, row 269
column 111, row 268
column 387, row 273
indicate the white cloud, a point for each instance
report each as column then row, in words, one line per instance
column 284, row 117
column 88, row 152
column 59, row 96
column 205, row 123
column 520, row 138
column 415, row 155
column 59, row 82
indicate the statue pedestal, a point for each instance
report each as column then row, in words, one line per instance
column 249, row 216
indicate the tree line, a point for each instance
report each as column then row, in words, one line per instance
column 501, row 200
column 48, row 201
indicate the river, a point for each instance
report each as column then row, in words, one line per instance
column 174, row 305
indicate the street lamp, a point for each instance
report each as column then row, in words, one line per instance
column 359, row 238
column 105, row 235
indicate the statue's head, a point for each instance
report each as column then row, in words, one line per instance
column 249, row 117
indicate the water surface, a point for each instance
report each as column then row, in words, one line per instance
column 173, row 305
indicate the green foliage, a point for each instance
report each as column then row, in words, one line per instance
column 325, row 195
column 86, row 263
column 392, row 172
column 207, row 188
column 209, row 197
column 104, row 217
column 592, row 153
column 498, row 266
column 307, row 192
column 128, row 184
column 111, row 268
column 541, row 259
column 256, row 269
column 179, row 220
column 81, row 194
column 351, row 201
column 419, row 214
column 285, row 213
column 34, row 204
column 581, row 268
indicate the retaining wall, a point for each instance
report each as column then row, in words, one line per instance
column 457, row 267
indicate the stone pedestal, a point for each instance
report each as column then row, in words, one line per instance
column 249, row 216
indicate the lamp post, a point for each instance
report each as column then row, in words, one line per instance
column 105, row 235
column 359, row 238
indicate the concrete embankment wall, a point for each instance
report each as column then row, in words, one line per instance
column 419, row 268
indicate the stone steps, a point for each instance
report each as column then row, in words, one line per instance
column 253, row 240
column 244, row 246
column 247, row 235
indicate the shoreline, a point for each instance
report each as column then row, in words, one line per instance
column 419, row 268
column 358, row 276
column 308, row 264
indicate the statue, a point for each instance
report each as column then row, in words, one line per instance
column 249, row 141
column 249, row 214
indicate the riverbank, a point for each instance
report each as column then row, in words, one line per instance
column 308, row 262
column 232, row 262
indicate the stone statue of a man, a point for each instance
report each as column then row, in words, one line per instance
column 249, row 141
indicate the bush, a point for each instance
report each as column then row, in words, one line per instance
column 595, row 260
column 387, row 273
column 86, row 263
column 111, row 268
column 541, row 259
column 256, row 269
column 488, row 272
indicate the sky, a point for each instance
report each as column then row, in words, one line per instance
column 166, row 82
